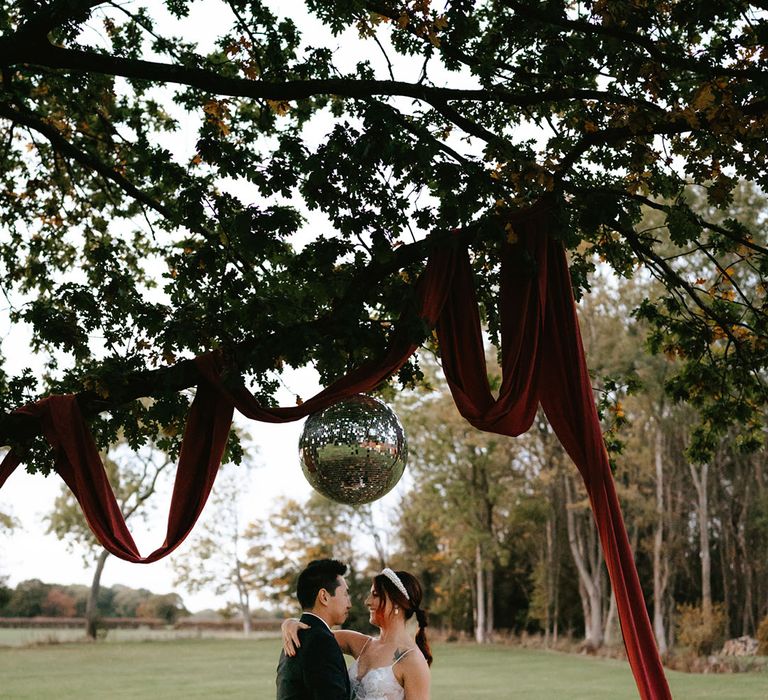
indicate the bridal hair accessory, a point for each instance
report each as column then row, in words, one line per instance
column 392, row 576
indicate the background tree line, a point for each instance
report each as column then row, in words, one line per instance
column 34, row 598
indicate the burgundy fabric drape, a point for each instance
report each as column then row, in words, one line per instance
column 79, row 465
column 542, row 362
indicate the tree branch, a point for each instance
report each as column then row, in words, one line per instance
column 676, row 280
column 534, row 12
column 18, row 115
column 660, row 206
column 529, row 11
column 14, row 51
column 470, row 126
column 39, row 25
column 25, row 117
column 670, row 123
column 185, row 375
column 423, row 133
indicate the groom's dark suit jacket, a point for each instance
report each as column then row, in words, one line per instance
column 318, row 671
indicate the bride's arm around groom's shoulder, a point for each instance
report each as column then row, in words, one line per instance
column 351, row 642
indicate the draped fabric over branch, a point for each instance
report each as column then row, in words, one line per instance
column 542, row 362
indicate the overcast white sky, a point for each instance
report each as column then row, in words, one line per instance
column 29, row 552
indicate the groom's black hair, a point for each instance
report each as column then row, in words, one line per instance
column 319, row 574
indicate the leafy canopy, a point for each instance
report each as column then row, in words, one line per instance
column 257, row 190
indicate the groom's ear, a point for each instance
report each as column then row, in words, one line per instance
column 322, row 596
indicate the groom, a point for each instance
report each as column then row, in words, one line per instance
column 318, row 671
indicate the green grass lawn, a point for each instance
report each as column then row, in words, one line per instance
column 230, row 668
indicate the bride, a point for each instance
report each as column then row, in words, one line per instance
column 392, row 666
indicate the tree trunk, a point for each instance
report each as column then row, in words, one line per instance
column 584, row 598
column 366, row 518
column 471, row 579
column 548, row 573
column 91, row 605
column 595, row 640
column 480, row 607
column 660, row 572
column 702, row 507
column 727, row 567
column 747, row 603
column 589, row 567
column 610, row 622
column 556, row 578
column 245, row 611
column 489, row 623
column 675, row 500
column 556, row 613
column 759, row 578
column 747, row 616
column 244, row 602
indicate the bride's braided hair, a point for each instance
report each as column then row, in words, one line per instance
column 411, row 604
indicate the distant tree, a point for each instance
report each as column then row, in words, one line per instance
column 126, row 601
column 585, row 550
column 719, row 481
column 59, row 603
column 555, row 603
column 28, row 598
column 738, row 525
column 167, row 606
column 134, row 479
column 5, row 597
column 317, row 529
column 80, row 594
column 465, row 484
column 223, row 554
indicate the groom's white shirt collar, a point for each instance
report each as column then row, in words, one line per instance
column 318, row 617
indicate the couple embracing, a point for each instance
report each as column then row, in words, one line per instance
column 392, row 666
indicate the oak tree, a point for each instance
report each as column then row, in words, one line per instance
column 154, row 189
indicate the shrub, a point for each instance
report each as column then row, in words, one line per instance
column 701, row 636
column 762, row 637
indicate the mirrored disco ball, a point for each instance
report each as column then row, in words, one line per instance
column 354, row 451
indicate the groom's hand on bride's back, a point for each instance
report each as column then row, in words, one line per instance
column 290, row 630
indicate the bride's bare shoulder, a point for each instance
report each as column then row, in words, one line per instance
column 413, row 659
column 412, row 672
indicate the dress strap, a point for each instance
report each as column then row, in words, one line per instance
column 403, row 655
column 362, row 649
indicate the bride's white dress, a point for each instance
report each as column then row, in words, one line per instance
column 377, row 684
